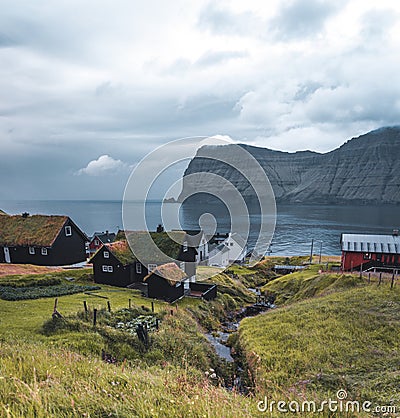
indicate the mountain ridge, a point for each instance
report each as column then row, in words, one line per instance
column 363, row 170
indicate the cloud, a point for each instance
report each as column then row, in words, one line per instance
column 123, row 80
column 104, row 165
column 211, row 58
column 221, row 20
column 301, row 19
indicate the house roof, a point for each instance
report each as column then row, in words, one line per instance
column 122, row 251
column 385, row 244
column 194, row 237
column 2, row 212
column 170, row 272
column 216, row 249
column 35, row 230
column 104, row 237
column 238, row 239
column 159, row 249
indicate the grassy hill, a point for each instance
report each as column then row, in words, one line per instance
column 334, row 332
column 309, row 283
column 39, row 381
column 53, row 367
column 331, row 332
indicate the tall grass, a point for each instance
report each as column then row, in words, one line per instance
column 345, row 340
column 37, row 381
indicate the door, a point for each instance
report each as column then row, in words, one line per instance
column 7, row 257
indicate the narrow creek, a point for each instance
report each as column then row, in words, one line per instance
column 219, row 339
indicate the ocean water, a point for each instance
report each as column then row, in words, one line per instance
column 296, row 226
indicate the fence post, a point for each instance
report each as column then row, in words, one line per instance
column 94, row 316
column 380, row 278
column 152, row 306
column 369, row 278
column 85, row 306
column 130, row 303
column 392, row 284
column 109, row 306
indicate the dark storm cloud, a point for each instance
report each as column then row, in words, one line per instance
column 94, row 86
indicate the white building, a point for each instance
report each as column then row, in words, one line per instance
column 232, row 249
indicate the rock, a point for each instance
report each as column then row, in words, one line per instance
column 363, row 170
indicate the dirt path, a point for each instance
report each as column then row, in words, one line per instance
column 7, row 269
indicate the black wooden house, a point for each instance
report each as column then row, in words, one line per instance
column 41, row 240
column 166, row 282
column 117, row 265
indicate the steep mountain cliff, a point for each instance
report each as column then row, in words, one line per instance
column 365, row 169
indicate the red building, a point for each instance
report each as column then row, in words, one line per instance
column 366, row 251
column 100, row 238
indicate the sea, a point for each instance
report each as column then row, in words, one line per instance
column 297, row 226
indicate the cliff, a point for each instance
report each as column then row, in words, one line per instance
column 365, row 170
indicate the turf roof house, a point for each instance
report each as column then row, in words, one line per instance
column 41, row 240
column 166, row 282
column 116, row 265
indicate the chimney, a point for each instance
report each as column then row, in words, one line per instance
column 395, row 232
column 107, row 233
column 160, row 228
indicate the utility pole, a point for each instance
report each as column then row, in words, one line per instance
column 312, row 249
column 320, row 253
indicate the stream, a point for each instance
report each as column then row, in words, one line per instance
column 218, row 339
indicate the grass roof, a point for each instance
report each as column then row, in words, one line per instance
column 2, row 212
column 35, row 230
column 148, row 247
column 122, row 251
column 170, row 272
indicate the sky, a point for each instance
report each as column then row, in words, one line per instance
column 88, row 88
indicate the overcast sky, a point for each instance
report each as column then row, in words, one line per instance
column 87, row 88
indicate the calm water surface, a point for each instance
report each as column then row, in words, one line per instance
column 296, row 225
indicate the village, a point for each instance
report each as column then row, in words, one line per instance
column 168, row 274
column 96, row 298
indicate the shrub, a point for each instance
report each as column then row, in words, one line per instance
column 36, row 292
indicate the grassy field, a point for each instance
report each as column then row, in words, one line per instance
column 331, row 332
column 53, row 367
column 39, row 382
column 309, row 283
column 25, row 318
column 334, row 332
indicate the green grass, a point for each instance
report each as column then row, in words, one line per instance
column 37, row 381
column 52, row 367
column 309, row 283
column 26, row 317
column 332, row 332
column 348, row 339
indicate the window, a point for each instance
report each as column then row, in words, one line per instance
column 182, row 266
column 185, row 246
column 106, row 254
column 107, row 269
column 110, row 269
column 231, row 244
column 138, row 268
column 151, row 267
column 44, row 251
column 68, row 231
column 96, row 242
column 31, row 250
